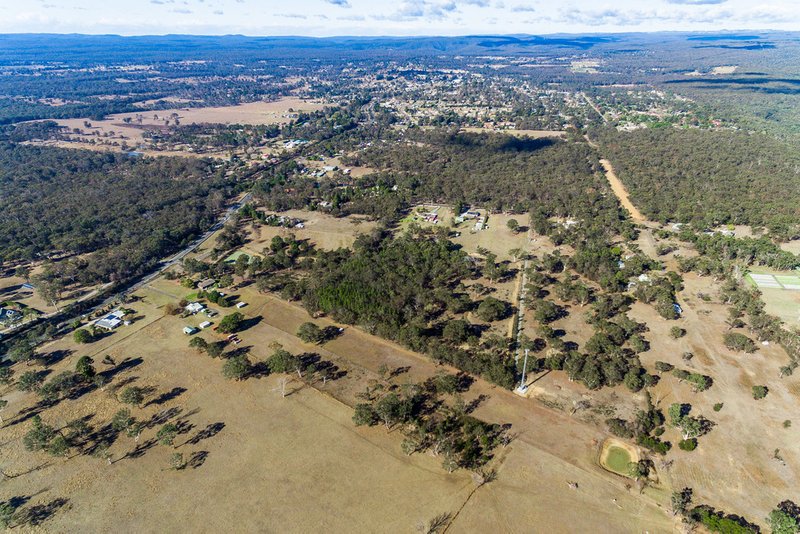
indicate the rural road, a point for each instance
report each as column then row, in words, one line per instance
column 164, row 265
column 177, row 258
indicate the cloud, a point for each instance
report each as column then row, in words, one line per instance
column 696, row 2
column 522, row 9
column 421, row 9
column 340, row 3
column 614, row 17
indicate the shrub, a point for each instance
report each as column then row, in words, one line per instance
column 655, row 444
column 687, row 444
column 364, row 414
column 718, row 406
column 456, row 331
column 310, row 333
column 677, row 332
column 740, row 342
column 231, row 323
column 492, row 309
column 82, row 336
column 719, row 522
column 236, row 368
column 759, row 392
column 619, row 427
column 664, row 367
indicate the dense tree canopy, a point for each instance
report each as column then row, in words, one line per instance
column 131, row 211
column 709, row 178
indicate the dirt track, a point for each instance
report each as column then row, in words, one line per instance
column 621, row 192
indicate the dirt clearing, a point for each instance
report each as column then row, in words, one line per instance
column 621, row 192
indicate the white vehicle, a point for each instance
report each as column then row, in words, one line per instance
column 241, row 304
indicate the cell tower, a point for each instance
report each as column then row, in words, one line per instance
column 522, row 387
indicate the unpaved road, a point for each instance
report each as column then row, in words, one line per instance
column 621, row 192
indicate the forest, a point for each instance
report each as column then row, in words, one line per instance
column 128, row 211
column 400, row 289
column 709, row 178
column 499, row 172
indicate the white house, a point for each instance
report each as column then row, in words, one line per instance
column 110, row 321
column 195, row 307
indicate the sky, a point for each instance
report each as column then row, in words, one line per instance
column 322, row 18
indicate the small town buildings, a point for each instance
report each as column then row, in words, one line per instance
column 189, row 330
column 205, row 324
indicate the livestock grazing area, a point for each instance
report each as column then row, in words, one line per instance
column 125, row 131
column 264, row 462
column 281, row 452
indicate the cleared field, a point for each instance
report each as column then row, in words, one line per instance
column 791, row 246
column 535, row 134
column 355, row 172
column 297, row 461
column 780, row 291
column 279, row 111
column 11, row 290
column 296, row 464
column 113, row 132
column 737, row 453
column 497, row 237
column 325, row 231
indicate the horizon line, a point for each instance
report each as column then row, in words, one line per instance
column 398, row 36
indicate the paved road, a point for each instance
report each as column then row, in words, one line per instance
column 166, row 264
column 177, row 258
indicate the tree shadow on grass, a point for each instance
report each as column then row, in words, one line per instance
column 105, row 436
column 163, row 416
column 250, row 323
column 140, row 449
column 124, row 365
column 39, row 513
column 197, row 459
column 167, row 396
column 208, row 432
column 51, row 358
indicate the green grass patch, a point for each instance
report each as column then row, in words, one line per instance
column 618, row 460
